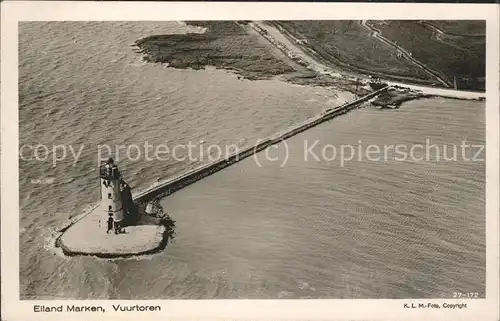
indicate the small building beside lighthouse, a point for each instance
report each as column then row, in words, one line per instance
column 111, row 200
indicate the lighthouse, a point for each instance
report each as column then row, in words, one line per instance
column 111, row 200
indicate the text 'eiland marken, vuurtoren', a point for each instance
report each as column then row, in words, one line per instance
column 96, row 308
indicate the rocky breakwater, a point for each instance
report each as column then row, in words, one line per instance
column 394, row 97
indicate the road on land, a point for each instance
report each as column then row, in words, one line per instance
column 320, row 68
column 375, row 33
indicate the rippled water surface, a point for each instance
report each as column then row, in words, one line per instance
column 308, row 229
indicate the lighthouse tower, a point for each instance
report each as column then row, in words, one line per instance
column 111, row 202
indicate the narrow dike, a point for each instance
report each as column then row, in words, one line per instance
column 181, row 181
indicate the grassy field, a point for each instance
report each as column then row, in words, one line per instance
column 468, row 28
column 349, row 45
column 451, row 55
column 458, row 52
column 225, row 45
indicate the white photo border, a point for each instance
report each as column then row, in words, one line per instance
column 377, row 309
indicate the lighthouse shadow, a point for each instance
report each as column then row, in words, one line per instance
column 137, row 216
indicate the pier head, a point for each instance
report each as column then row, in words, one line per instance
column 114, row 228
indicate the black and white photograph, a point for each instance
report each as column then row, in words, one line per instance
column 252, row 159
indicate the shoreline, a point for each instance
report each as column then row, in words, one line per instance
column 255, row 59
column 233, row 46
